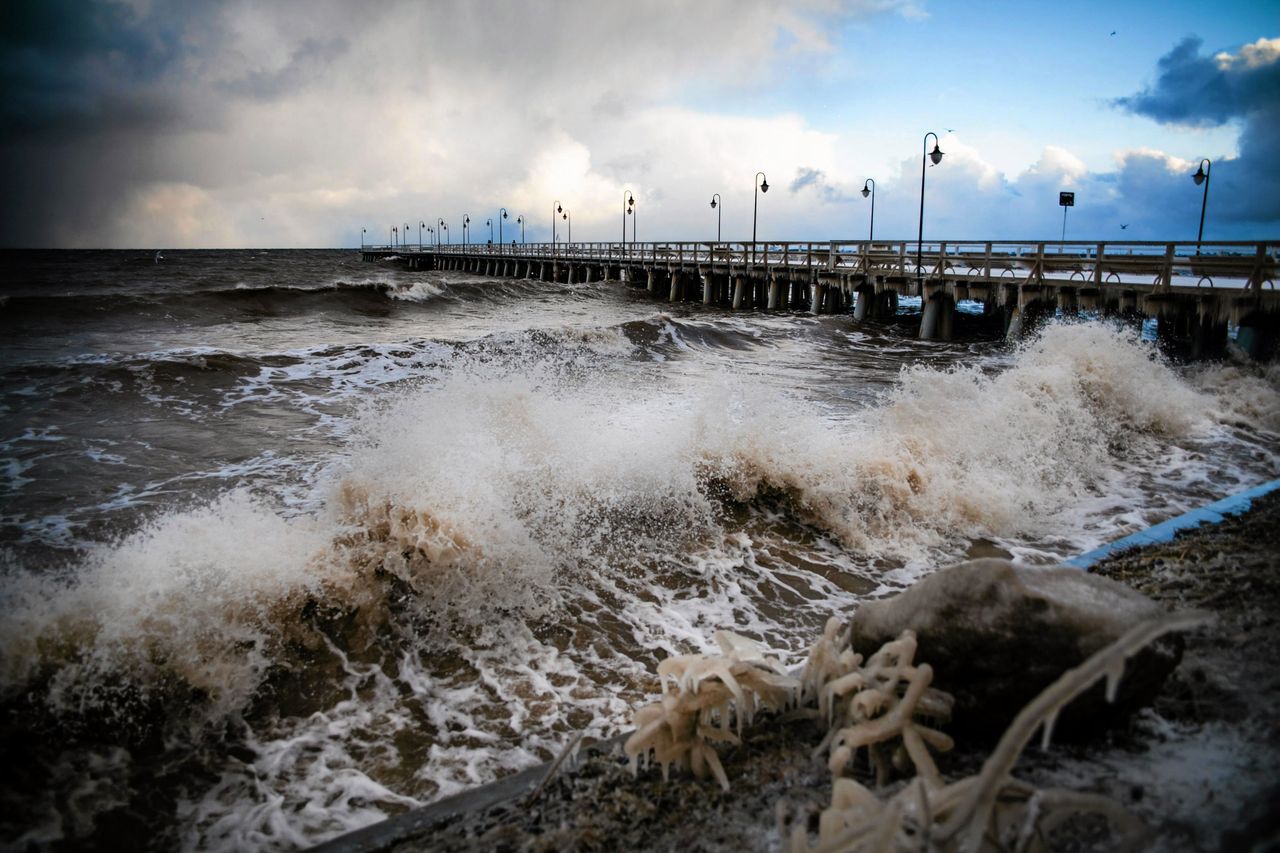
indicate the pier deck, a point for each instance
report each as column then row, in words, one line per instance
column 1193, row 289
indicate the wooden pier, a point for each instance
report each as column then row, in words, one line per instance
column 1194, row 290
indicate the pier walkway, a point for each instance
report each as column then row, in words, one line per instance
column 1193, row 289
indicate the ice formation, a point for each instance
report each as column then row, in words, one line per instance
column 704, row 696
column 880, row 705
column 883, row 705
column 991, row 811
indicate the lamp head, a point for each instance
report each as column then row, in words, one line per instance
column 1199, row 176
column 559, row 208
column 764, row 185
column 713, row 204
column 866, row 190
column 504, row 214
column 936, row 154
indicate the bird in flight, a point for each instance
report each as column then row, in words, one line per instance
column 1113, row 32
column 1122, row 227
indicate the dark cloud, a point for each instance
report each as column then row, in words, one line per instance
column 1204, row 90
column 65, row 65
column 305, row 66
column 1200, row 90
column 816, row 179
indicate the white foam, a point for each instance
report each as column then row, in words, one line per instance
column 518, row 536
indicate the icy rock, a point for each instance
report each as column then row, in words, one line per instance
column 996, row 634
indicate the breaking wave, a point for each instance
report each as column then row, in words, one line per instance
column 501, row 552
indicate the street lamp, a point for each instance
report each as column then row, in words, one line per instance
column 568, row 219
column 434, row 238
column 719, row 209
column 936, row 156
column 555, row 208
column 466, row 222
column 393, row 236
column 628, row 201
column 869, row 189
column 404, row 236
column 445, row 229
column 755, row 206
column 363, row 231
column 504, row 216
column 1202, row 177
column 520, row 219
column 489, row 222
column 421, row 225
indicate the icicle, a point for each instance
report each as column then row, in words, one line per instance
column 1047, row 730
column 1114, row 673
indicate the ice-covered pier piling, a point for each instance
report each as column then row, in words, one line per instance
column 1194, row 290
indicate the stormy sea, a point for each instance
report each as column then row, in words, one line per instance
column 290, row 543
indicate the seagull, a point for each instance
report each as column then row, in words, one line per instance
column 1122, row 227
column 1113, row 32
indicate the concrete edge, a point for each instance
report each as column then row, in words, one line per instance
column 415, row 823
column 1213, row 513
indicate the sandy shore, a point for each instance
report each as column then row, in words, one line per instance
column 1200, row 767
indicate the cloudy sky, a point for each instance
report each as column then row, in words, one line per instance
column 147, row 123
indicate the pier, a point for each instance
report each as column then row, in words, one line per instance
column 1193, row 290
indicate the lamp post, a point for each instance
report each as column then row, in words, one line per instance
column 520, row 219
column 869, row 189
column 363, row 231
column 434, row 238
column 489, row 222
column 1202, row 177
column 555, row 208
column 755, row 207
column 421, row 225
column 466, row 223
column 392, row 237
column 445, row 229
column 404, row 236
column 568, row 219
column 719, row 209
column 628, row 201
column 500, row 218
column 936, row 156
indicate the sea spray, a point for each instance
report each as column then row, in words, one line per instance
column 509, row 541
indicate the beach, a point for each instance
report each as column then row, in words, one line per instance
column 1197, row 767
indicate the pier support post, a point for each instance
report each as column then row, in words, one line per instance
column 708, row 289
column 775, row 293
column 653, row 283
column 864, row 296
column 739, row 290
column 1209, row 337
column 676, row 280
column 817, row 292
column 937, row 318
column 1258, row 335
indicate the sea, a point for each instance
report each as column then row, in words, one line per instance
column 292, row 542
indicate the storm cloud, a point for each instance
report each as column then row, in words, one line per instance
column 300, row 122
column 1198, row 90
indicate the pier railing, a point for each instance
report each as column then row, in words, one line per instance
column 1152, row 264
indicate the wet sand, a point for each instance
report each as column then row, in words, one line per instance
column 1199, row 767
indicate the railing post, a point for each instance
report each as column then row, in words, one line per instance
column 986, row 263
column 1166, row 277
column 1259, row 269
column 831, row 256
column 1097, row 265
